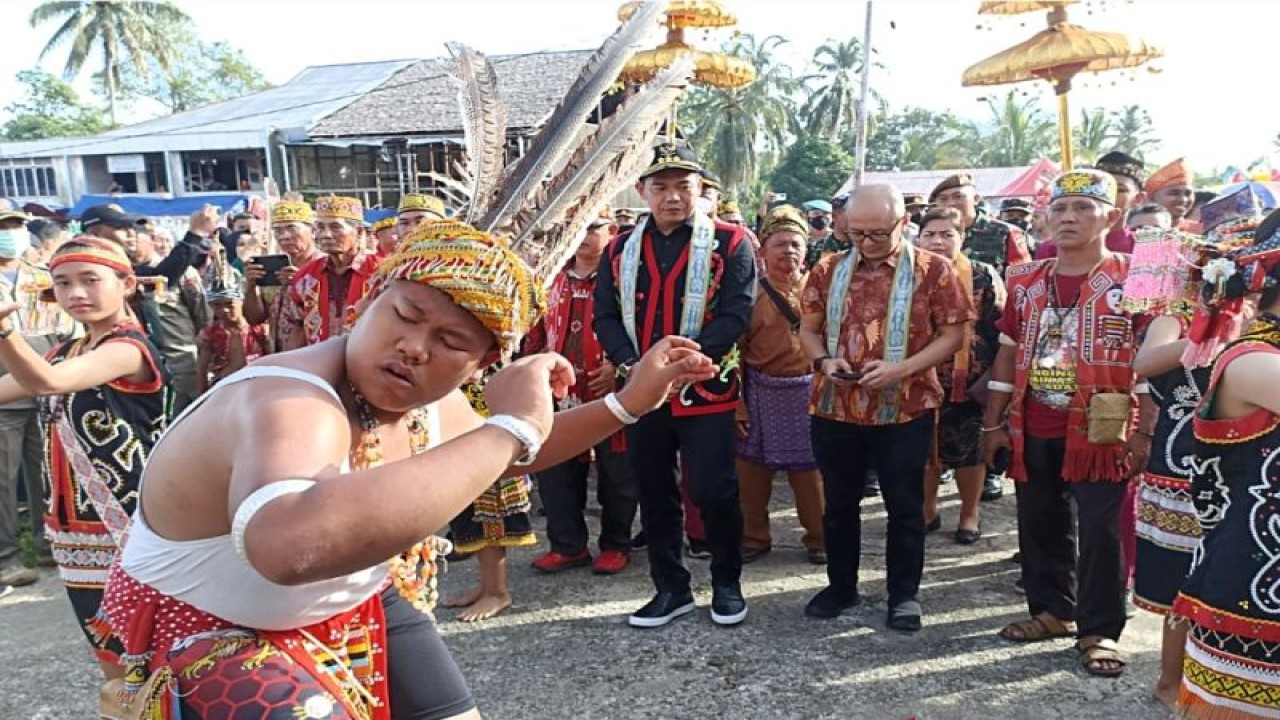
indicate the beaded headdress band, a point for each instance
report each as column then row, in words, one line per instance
column 479, row 272
column 343, row 208
column 291, row 212
column 92, row 250
column 784, row 218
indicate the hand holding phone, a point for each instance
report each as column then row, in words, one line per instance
column 271, row 266
column 851, row 376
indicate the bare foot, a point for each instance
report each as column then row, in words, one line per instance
column 464, row 600
column 486, row 607
column 1166, row 696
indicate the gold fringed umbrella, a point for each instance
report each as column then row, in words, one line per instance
column 1058, row 54
column 688, row 14
column 714, row 69
column 1017, row 7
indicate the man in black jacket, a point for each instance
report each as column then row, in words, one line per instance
column 682, row 273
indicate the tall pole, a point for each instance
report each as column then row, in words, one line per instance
column 860, row 153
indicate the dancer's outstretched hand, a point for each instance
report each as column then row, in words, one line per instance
column 672, row 362
column 525, row 389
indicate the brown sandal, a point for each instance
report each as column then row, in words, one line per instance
column 1095, row 650
column 1037, row 628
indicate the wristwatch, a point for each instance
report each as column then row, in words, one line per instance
column 522, row 431
column 7, row 328
column 817, row 363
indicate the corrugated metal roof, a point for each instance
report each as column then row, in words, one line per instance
column 422, row 98
column 242, row 122
column 988, row 180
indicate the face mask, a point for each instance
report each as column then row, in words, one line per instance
column 703, row 206
column 819, row 222
column 13, row 242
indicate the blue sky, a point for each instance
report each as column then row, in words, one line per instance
column 1205, row 99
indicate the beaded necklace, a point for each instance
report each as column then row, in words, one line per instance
column 414, row 573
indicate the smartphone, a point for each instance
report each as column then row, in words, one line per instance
column 780, row 197
column 271, row 266
column 1000, row 463
column 849, row 376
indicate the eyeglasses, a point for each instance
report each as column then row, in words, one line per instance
column 874, row 235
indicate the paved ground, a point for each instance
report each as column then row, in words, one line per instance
column 564, row 649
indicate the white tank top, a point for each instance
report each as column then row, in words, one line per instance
column 213, row 575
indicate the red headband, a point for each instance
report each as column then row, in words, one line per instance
column 92, row 250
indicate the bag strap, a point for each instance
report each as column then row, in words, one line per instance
column 781, row 303
column 105, row 503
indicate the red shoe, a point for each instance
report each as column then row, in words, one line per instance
column 611, row 562
column 554, row 562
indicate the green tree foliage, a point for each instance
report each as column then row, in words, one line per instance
column 49, row 108
column 1093, row 137
column 921, row 139
column 201, row 73
column 736, row 130
column 813, row 167
column 831, row 109
column 1133, row 131
column 1020, row 133
column 122, row 33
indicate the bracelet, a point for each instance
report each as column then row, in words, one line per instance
column 623, row 416
column 1142, row 388
column 7, row 328
column 993, row 429
column 523, row 432
column 997, row 386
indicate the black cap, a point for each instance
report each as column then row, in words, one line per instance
column 668, row 156
column 111, row 217
column 710, row 180
column 1016, row 204
column 915, row 201
column 1118, row 163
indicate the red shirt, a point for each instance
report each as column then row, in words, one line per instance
column 1044, row 421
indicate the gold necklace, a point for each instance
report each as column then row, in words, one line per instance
column 415, row 573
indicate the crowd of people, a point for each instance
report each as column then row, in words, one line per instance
column 1106, row 345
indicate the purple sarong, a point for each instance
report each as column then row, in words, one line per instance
column 778, row 433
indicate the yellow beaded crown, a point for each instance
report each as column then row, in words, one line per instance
column 478, row 271
column 344, row 208
column 417, row 202
column 384, row 223
column 291, row 212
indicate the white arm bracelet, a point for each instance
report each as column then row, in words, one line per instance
column 257, row 500
column 612, row 402
column 1142, row 389
column 997, row 386
column 1008, row 341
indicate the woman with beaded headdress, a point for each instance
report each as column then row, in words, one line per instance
column 302, row 518
column 1162, row 284
column 1231, row 600
column 104, row 399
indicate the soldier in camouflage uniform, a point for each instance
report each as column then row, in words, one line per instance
column 986, row 239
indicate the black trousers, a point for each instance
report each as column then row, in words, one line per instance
column 705, row 446
column 1072, row 562
column 563, row 489
column 845, row 452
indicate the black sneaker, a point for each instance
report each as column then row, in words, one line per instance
column 905, row 616
column 662, row 609
column 727, row 605
column 872, row 487
column 992, row 489
column 829, row 603
column 697, row 550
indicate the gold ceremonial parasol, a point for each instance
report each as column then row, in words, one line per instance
column 1017, row 7
column 1058, row 54
column 711, row 68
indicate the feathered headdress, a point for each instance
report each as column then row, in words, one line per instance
column 550, row 195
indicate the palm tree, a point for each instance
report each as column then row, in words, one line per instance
column 1133, row 131
column 1093, row 136
column 1023, row 133
column 832, row 108
column 736, row 130
column 123, row 31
